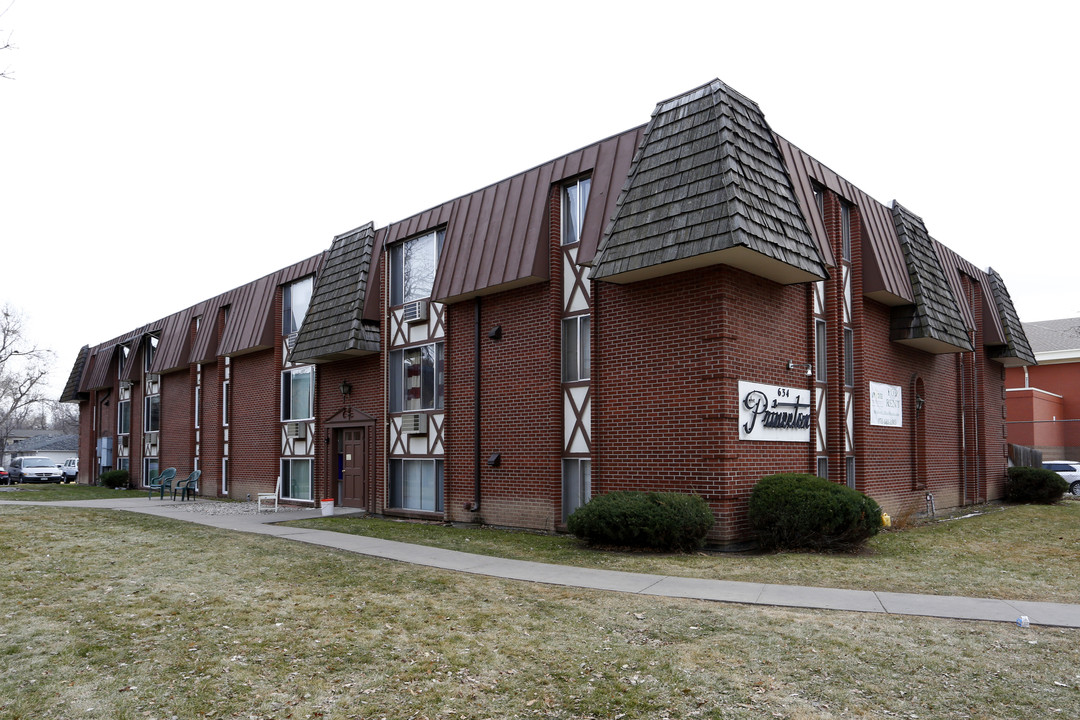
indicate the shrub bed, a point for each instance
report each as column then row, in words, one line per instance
column 115, row 479
column 1035, row 485
column 803, row 511
column 657, row 520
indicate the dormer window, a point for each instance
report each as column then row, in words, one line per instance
column 296, row 297
column 575, row 198
column 412, row 267
column 149, row 351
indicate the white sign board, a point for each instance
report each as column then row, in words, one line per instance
column 886, row 405
column 777, row 414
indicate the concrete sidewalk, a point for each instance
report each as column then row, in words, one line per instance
column 943, row 606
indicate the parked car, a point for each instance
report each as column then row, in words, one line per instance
column 34, row 469
column 4, row 478
column 1069, row 470
column 70, row 469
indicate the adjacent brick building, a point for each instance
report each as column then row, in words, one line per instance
column 1044, row 401
column 688, row 305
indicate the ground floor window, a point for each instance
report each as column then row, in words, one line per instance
column 150, row 470
column 576, row 483
column 123, row 463
column 224, row 476
column 823, row 467
column 851, row 471
column 296, row 478
column 416, row 484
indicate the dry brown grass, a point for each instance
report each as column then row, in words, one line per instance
column 112, row 615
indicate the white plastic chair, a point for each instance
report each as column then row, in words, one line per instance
column 259, row 497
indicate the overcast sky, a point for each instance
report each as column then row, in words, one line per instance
column 154, row 154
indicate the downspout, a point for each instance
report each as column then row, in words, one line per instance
column 963, row 431
column 476, row 405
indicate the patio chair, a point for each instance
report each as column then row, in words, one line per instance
column 260, row 497
column 161, row 483
column 187, row 486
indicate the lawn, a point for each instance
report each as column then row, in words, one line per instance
column 1019, row 552
column 121, row 616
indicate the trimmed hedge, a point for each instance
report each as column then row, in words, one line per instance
column 657, row 520
column 115, row 479
column 1035, row 485
column 803, row 511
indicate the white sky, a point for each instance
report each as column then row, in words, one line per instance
column 154, row 154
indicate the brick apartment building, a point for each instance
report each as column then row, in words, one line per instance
column 688, row 305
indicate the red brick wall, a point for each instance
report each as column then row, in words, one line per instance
column 1061, row 379
column 175, row 448
column 254, row 424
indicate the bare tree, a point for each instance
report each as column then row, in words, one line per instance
column 23, row 369
column 5, row 44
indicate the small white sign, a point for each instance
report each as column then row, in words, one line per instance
column 770, row 412
column 886, row 405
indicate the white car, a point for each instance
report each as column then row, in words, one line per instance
column 1069, row 470
column 70, row 469
column 34, row 469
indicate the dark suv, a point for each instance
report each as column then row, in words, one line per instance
column 34, row 469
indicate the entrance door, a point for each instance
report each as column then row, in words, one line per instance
column 354, row 467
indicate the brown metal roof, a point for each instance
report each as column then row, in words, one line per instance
column 252, row 325
column 204, row 348
column 71, row 389
column 101, row 361
column 497, row 237
column 174, row 347
column 885, row 275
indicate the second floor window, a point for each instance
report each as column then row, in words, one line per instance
column 297, row 391
column 575, row 348
column 412, row 267
column 123, row 417
column 151, row 413
column 149, row 351
column 575, row 198
column 296, row 297
column 416, row 378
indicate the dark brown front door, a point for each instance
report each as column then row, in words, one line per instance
column 354, row 467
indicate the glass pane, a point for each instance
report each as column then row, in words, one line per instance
column 123, row 425
column 418, row 267
column 413, row 376
column 427, row 376
column 300, row 480
column 395, row 483
column 396, row 293
column 301, row 394
column 438, row 376
column 410, row 490
column 570, row 349
column 571, row 487
column 397, row 372
column 849, row 357
column 586, row 481
column 823, row 467
column 822, row 352
column 427, row 484
column 583, row 347
column 297, row 298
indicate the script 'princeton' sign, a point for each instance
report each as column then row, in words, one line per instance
column 886, row 405
column 769, row 412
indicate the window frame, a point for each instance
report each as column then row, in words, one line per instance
column 287, row 477
column 583, row 489
column 149, row 351
column 123, row 410
column 821, row 350
column 396, row 484
column 399, row 388
column 399, row 262
column 152, row 413
column 290, row 323
column 576, row 365
column 575, row 202
column 288, row 388
column 849, row 357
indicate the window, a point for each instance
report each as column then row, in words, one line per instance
column 575, row 198
column 123, row 417
column 577, row 484
column 151, row 413
column 575, row 348
column 123, row 463
column 226, row 397
column 823, row 467
column 125, row 350
column 821, row 351
column 297, row 393
column 296, row 297
column 296, row 479
column 819, row 200
column 850, row 460
column 198, row 406
column 416, row 485
column 845, row 232
column 224, row 476
column 849, row 357
column 149, row 352
column 412, row 267
column 150, row 470
column 416, row 378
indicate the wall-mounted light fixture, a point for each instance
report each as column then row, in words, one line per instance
column 345, row 388
column 791, row 365
column 495, row 333
column 919, row 402
column 495, row 460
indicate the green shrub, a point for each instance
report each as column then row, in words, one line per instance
column 115, row 479
column 1035, row 485
column 657, row 520
column 803, row 511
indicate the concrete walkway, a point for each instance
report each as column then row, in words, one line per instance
column 943, row 606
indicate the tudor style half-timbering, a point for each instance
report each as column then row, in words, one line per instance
column 688, row 305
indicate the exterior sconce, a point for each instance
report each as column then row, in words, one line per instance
column 496, row 333
column 791, row 365
column 919, row 402
column 345, row 388
column 495, row 460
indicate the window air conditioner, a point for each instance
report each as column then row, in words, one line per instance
column 414, row 424
column 294, row 430
column 416, row 311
